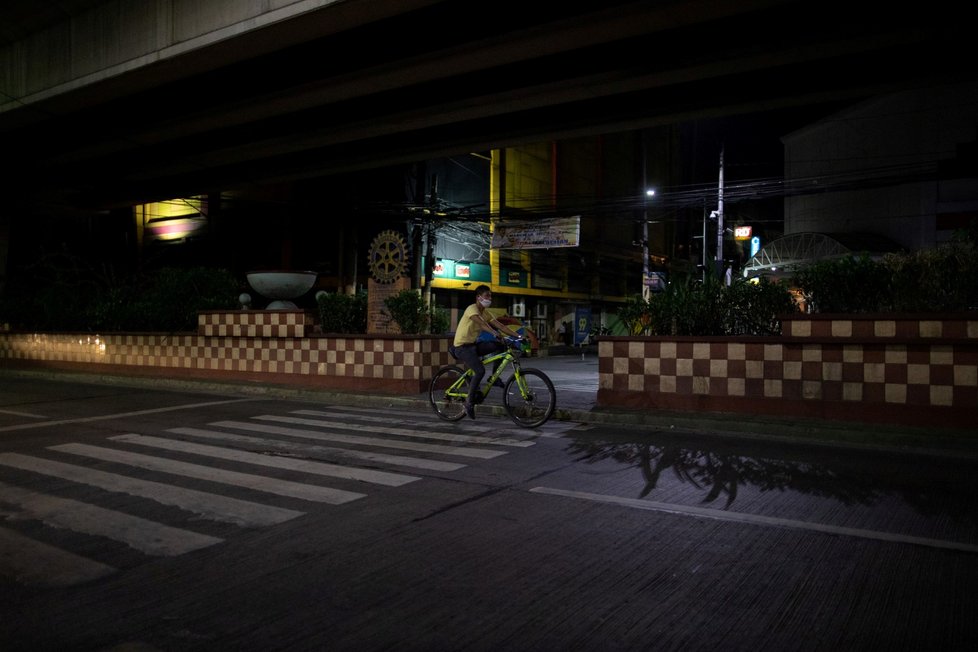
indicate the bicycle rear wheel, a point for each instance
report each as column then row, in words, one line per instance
column 449, row 408
column 531, row 405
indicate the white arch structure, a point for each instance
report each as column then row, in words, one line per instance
column 785, row 255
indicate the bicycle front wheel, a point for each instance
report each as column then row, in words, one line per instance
column 531, row 399
column 448, row 403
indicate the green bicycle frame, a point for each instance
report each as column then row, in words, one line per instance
column 459, row 388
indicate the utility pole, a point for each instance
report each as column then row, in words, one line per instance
column 429, row 260
column 646, row 288
column 703, row 255
column 719, row 259
column 644, row 233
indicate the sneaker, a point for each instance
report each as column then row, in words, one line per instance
column 470, row 410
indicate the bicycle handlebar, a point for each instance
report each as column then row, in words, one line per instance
column 518, row 344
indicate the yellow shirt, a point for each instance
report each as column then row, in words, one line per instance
column 468, row 329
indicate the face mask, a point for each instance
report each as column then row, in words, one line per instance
column 485, row 303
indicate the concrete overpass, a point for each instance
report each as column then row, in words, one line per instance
column 110, row 102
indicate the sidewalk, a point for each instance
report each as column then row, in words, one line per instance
column 575, row 377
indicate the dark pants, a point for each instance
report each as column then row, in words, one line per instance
column 471, row 355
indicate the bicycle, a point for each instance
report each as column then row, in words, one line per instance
column 528, row 396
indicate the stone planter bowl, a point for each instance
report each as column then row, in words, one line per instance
column 281, row 285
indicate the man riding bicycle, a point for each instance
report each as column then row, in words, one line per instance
column 475, row 320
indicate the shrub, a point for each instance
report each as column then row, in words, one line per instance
column 408, row 310
column 847, row 285
column 635, row 316
column 690, row 307
column 342, row 313
column 439, row 319
column 942, row 279
column 755, row 308
column 51, row 293
column 170, row 298
column 77, row 298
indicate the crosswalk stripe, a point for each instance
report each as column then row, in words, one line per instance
column 121, row 415
column 480, row 453
column 367, row 456
column 407, row 413
column 212, row 506
column 141, row 534
column 291, row 464
column 487, row 432
column 403, row 432
column 34, row 563
column 257, row 482
column 23, row 414
column 566, row 386
column 551, row 429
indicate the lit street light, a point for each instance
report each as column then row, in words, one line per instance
column 646, row 281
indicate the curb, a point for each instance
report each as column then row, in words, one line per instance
column 931, row 442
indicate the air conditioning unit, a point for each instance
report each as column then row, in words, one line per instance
column 518, row 309
column 541, row 311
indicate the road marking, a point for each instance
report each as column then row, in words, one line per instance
column 37, row 564
column 367, row 456
column 492, row 430
column 206, row 505
column 551, row 429
column 755, row 519
column 407, row 413
column 291, row 464
column 144, row 535
column 521, row 441
column 588, row 388
column 402, row 432
column 123, row 415
column 310, row 492
column 23, row 414
column 496, row 424
column 480, row 453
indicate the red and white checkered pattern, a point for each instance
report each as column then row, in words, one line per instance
column 913, row 374
column 392, row 358
column 881, row 327
column 254, row 323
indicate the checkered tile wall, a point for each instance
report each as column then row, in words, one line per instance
column 923, row 371
column 876, row 370
column 387, row 363
column 254, row 323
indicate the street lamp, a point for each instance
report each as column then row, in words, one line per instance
column 646, row 288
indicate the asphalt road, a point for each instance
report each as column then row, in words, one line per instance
column 141, row 518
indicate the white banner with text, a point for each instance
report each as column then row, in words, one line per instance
column 539, row 234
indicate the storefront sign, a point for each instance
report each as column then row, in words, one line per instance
column 743, row 232
column 582, row 325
